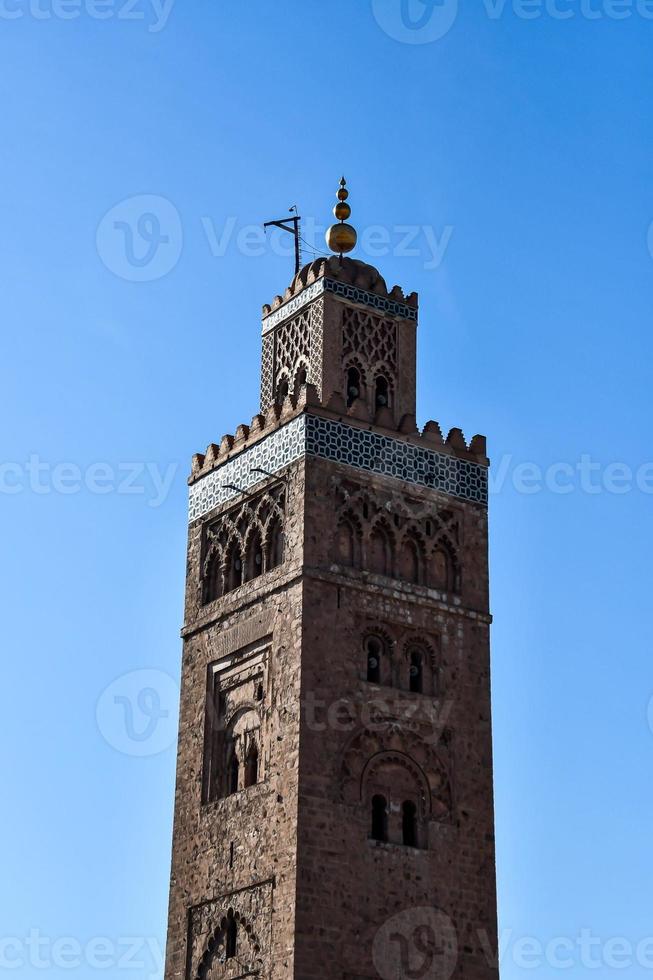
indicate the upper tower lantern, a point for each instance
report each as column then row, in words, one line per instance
column 340, row 328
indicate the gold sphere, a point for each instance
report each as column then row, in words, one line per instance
column 343, row 194
column 341, row 238
column 342, row 211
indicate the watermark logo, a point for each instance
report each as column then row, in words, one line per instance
column 137, row 713
column 154, row 13
column 419, row 943
column 415, row 21
column 141, row 238
column 39, row 476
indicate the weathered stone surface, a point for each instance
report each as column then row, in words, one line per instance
column 350, row 667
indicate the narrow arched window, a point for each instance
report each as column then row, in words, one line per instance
column 379, row 818
column 254, row 560
column 231, row 936
column 374, row 654
column 251, row 765
column 416, row 672
column 213, row 579
column 381, row 392
column 345, row 543
column 379, row 552
column 234, row 772
column 275, row 544
column 409, row 823
column 353, row 385
column 282, row 391
column 234, row 573
column 300, row 379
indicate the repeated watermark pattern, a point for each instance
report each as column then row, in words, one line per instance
column 155, row 14
column 41, row 952
column 153, row 482
column 141, row 239
column 420, row 943
column 137, row 713
column 35, row 475
column 377, row 715
column 426, row 21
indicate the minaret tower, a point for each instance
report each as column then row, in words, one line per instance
column 334, row 812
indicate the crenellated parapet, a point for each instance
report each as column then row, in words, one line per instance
column 365, row 282
column 304, row 426
column 276, row 416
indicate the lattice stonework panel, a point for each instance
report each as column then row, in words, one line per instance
column 296, row 343
column 267, row 371
column 317, row 345
column 371, row 338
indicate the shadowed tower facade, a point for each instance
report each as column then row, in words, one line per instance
column 334, row 810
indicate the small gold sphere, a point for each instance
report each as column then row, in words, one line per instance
column 342, row 211
column 343, row 194
column 341, row 238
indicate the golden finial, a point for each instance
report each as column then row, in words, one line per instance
column 341, row 238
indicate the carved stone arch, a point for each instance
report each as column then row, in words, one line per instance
column 354, row 380
column 373, row 778
column 213, row 572
column 431, row 678
column 411, row 555
column 274, row 540
column 253, row 562
column 356, row 362
column 365, row 744
column 281, row 387
column 444, row 565
column 302, row 375
column 378, row 653
column 233, row 563
column 216, row 964
column 381, row 370
column 347, row 539
column 380, row 547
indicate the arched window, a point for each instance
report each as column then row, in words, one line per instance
column 353, row 385
column 300, row 379
column 254, row 559
column 251, row 765
column 381, row 392
column 275, row 544
column 409, row 561
column 234, row 570
column 416, row 672
column 234, row 771
column 380, row 552
column 379, row 818
column 231, row 936
column 282, row 390
column 409, row 824
column 374, row 650
column 213, row 579
column 345, row 543
column 440, row 569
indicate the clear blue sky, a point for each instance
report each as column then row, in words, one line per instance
column 523, row 146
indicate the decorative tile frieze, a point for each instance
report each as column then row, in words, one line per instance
column 281, row 447
column 312, row 435
column 342, row 290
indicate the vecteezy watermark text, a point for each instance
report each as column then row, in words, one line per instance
column 38, row 476
column 154, row 13
column 426, row 21
column 140, row 239
column 40, row 952
column 585, row 475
